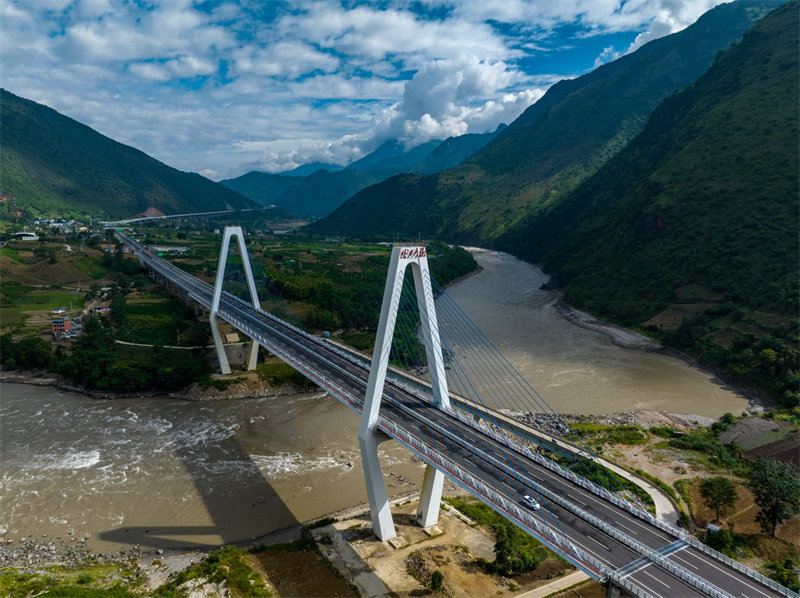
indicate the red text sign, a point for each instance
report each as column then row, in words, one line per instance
column 412, row 252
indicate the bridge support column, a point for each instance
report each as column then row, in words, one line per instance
column 232, row 231
column 615, row 591
column 430, row 497
column 382, row 523
column 428, row 512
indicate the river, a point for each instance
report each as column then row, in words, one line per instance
column 161, row 472
column 574, row 369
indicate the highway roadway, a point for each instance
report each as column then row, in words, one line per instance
column 604, row 539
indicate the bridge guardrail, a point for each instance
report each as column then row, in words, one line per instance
column 320, row 379
column 178, row 276
column 606, row 494
column 629, row 587
column 658, row 559
column 771, row 583
column 556, row 541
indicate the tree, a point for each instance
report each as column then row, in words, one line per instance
column 506, row 546
column 93, row 354
column 718, row 494
column 46, row 253
column 437, row 581
column 777, row 489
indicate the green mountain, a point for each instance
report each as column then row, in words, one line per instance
column 316, row 194
column 52, row 164
column 317, row 189
column 392, row 158
column 551, row 148
column 454, row 151
column 311, row 168
column 692, row 230
column 261, row 187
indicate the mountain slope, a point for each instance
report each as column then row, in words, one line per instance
column 692, row 229
column 261, row 187
column 311, row 168
column 316, row 194
column 453, row 151
column 392, row 158
column 53, row 164
column 554, row 145
column 319, row 191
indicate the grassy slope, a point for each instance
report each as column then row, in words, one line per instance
column 53, row 164
column 557, row 143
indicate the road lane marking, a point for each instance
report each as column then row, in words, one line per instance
column 627, row 528
column 687, row 563
column 656, row 578
column 727, row 573
column 594, row 554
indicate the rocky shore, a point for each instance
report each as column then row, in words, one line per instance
column 31, row 554
column 622, row 337
column 628, row 339
column 243, row 385
column 645, row 418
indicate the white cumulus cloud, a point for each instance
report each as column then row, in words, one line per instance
column 223, row 86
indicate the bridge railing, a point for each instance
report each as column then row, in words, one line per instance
column 631, row 588
column 170, row 271
column 557, row 542
column 771, row 583
column 677, row 570
column 552, row 465
column 324, row 382
column 509, row 508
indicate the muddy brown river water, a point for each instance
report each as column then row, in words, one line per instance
column 160, row 472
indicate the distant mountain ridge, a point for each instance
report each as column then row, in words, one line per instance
column 51, row 163
column 558, row 142
column 310, row 168
column 692, row 230
column 319, row 188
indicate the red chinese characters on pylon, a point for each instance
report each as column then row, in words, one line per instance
column 411, row 252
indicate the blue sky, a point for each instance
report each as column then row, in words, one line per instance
column 222, row 88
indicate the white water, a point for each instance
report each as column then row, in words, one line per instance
column 162, row 472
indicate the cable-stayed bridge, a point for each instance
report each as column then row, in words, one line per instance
column 459, row 433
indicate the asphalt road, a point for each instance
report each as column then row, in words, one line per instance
column 566, row 507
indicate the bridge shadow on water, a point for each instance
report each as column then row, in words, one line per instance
column 239, row 501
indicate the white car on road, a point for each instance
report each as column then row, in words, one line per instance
column 531, row 502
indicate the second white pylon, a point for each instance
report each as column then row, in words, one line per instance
column 368, row 434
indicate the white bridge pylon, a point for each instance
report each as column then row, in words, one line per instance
column 232, row 231
column 368, row 433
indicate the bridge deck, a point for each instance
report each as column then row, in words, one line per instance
column 600, row 534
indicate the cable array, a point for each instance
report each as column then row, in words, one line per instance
column 487, row 388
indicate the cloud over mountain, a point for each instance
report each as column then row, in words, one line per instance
column 223, row 87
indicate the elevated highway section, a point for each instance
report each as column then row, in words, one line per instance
column 600, row 533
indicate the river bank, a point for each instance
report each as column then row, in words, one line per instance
column 241, row 385
column 626, row 338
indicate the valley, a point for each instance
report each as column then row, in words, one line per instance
column 629, row 242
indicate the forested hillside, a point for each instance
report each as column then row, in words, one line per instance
column 692, row 230
column 318, row 189
column 316, row 194
column 52, row 164
column 548, row 151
